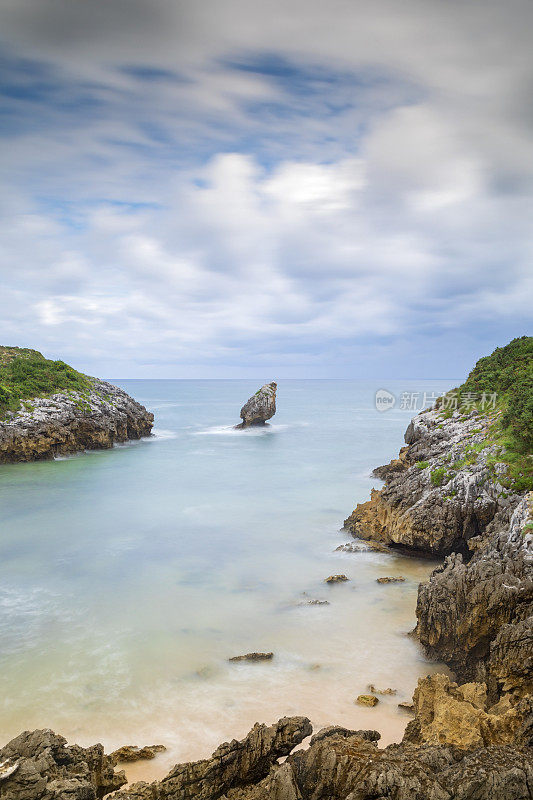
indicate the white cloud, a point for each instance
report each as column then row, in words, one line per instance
column 310, row 178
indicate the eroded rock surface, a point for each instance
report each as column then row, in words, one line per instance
column 72, row 421
column 234, row 764
column 441, row 492
column 48, row 769
column 260, row 407
column 478, row 616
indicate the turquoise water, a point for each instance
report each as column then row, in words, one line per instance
column 129, row 576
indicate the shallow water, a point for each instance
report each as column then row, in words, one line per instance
column 128, row 577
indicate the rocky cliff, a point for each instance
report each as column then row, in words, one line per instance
column 85, row 413
column 443, row 491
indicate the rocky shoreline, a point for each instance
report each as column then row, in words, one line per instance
column 466, row 740
column 68, row 422
column 448, row 494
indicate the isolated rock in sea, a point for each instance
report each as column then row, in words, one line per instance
column 130, row 752
column 367, row 700
column 391, row 579
column 253, row 657
column 336, row 579
column 373, row 690
column 260, row 407
column 48, row 769
column 233, row 765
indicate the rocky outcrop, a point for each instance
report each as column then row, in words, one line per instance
column 45, row 768
column 233, row 765
column 68, row 422
column 347, row 765
column 130, row 752
column 260, row 407
column 446, row 713
column 453, row 750
column 477, row 616
column 442, row 492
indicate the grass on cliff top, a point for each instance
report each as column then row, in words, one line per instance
column 508, row 372
column 26, row 373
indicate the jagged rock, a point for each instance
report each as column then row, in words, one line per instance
column 446, row 713
column 69, row 422
column 350, row 767
column 391, row 579
column 336, row 579
column 130, row 752
column 253, row 657
column 260, row 407
column 478, row 616
column 441, row 494
column 234, row 764
column 372, row 689
column 48, row 769
column 367, row 700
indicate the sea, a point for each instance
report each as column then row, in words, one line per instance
column 129, row 577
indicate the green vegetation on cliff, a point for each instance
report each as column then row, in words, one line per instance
column 508, row 374
column 25, row 374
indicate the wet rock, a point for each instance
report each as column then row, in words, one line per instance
column 391, row 579
column 367, row 700
column 260, row 407
column 69, row 422
column 48, row 769
column 253, row 657
column 372, row 689
column 129, row 752
column 352, row 547
column 336, row 579
column 233, row 765
column 407, row 707
column 338, row 730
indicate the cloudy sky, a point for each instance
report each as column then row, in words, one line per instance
column 283, row 188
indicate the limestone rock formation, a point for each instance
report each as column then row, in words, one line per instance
column 441, row 493
column 233, row 765
column 446, row 713
column 67, row 422
column 260, row 407
column 129, row 753
column 347, row 765
column 477, row 616
column 48, row 769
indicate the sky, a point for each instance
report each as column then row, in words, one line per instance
column 233, row 188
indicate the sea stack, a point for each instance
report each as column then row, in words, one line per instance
column 260, row 407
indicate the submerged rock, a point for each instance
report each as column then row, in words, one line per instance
column 336, row 579
column 391, row 579
column 253, row 657
column 260, row 407
column 372, row 689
